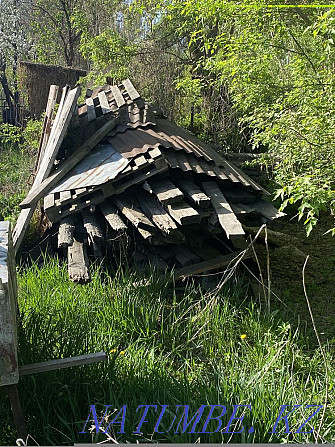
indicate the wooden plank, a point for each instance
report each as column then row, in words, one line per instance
column 9, row 373
column 130, row 209
column 93, row 227
column 185, row 256
column 78, row 262
column 47, row 122
column 165, row 191
column 183, row 214
column 139, row 161
column 64, row 196
column 226, row 216
column 267, row 210
column 194, row 193
column 68, row 164
column 91, row 116
column 132, row 92
column 65, row 232
column 58, row 132
column 158, row 215
column 118, row 96
column 69, row 362
column 212, row 264
column 104, row 103
column 112, row 217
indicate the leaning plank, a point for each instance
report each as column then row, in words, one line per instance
column 183, row 213
column 165, row 191
column 226, row 216
column 67, row 165
column 57, row 135
column 65, row 232
column 90, row 109
column 47, row 122
column 194, row 193
column 58, row 132
column 212, row 264
column 112, row 217
column 78, row 262
column 9, row 373
column 132, row 212
column 52, row 365
column 158, row 215
column 92, row 227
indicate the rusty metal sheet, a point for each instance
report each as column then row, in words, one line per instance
column 102, row 164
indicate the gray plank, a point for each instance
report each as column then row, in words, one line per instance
column 78, row 262
column 165, row 191
column 132, row 92
column 194, row 193
column 118, row 96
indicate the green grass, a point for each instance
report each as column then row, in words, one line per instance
column 180, row 346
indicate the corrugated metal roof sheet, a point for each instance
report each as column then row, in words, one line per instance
column 102, row 164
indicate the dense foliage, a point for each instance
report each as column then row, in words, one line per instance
column 244, row 75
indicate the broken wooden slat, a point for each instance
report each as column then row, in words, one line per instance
column 226, row 216
column 183, row 214
column 104, row 103
column 132, row 212
column 90, row 109
column 132, row 92
column 69, row 362
column 158, row 215
column 165, row 191
column 92, row 227
column 118, row 96
column 65, row 232
column 78, row 262
column 47, row 122
column 212, row 264
column 68, row 164
column 112, row 217
column 9, row 373
column 194, row 193
column 57, row 135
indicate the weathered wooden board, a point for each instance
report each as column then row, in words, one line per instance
column 130, row 209
column 103, row 103
column 65, row 232
column 78, row 262
column 158, row 215
column 92, row 227
column 165, row 191
column 112, row 217
column 183, row 213
column 132, row 92
column 194, row 193
column 225, row 214
column 118, row 96
column 9, row 373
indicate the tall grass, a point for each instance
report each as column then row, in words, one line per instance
column 167, row 346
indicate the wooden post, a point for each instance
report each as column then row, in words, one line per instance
column 9, row 371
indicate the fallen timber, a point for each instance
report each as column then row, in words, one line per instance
column 134, row 185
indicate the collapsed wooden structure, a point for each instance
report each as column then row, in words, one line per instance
column 121, row 181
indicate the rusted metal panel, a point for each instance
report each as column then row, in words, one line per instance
column 9, row 373
column 102, row 164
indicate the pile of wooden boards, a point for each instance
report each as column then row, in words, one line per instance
column 120, row 181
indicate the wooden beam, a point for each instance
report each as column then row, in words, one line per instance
column 225, row 214
column 69, row 362
column 92, row 227
column 158, row 215
column 68, row 164
column 129, row 208
column 103, row 103
column 65, row 232
column 118, row 96
column 212, row 264
column 112, row 217
column 132, row 92
column 183, row 213
column 165, row 191
column 194, row 193
column 78, row 262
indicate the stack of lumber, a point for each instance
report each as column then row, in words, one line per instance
column 121, row 182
